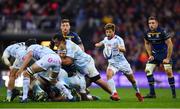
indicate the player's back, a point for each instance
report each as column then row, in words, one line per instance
column 39, row 51
column 16, row 49
column 74, row 51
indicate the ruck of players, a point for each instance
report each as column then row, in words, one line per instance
column 63, row 71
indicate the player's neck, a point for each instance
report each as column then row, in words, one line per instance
column 65, row 33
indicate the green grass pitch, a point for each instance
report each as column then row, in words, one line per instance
column 128, row 100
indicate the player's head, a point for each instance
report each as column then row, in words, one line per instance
column 57, row 38
column 110, row 30
column 59, row 41
column 65, row 26
column 30, row 42
column 152, row 23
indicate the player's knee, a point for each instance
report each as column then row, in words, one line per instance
column 109, row 74
column 168, row 69
column 169, row 72
column 149, row 69
column 28, row 72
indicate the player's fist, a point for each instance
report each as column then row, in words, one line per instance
column 166, row 61
column 151, row 58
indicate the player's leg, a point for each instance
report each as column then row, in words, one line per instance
column 78, row 82
column 94, row 76
column 110, row 73
column 126, row 69
column 26, row 80
column 62, row 81
column 169, row 72
column 149, row 72
column 38, row 89
column 11, row 83
column 131, row 78
column 12, row 78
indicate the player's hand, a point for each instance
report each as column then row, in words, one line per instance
column 10, row 67
column 151, row 58
column 166, row 61
column 18, row 73
column 97, row 45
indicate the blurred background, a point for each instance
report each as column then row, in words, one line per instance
column 23, row 19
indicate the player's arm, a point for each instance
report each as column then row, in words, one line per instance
column 148, row 47
column 78, row 41
column 121, row 45
column 81, row 46
column 121, row 48
column 99, row 44
column 5, row 59
column 28, row 58
column 170, row 48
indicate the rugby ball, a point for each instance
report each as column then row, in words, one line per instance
column 107, row 52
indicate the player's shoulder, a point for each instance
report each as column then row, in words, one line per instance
column 73, row 34
column 70, row 42
column 12, row 46
column 117, row 37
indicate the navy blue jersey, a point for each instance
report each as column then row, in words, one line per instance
column 74, row 37
column 157, row 40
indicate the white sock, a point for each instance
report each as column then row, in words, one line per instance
column 112, row 85
column 26, row 83
column 9, row 93
column 64, row 90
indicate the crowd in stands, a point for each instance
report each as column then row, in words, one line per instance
column 89, row 17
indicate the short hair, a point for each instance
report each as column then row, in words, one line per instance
column 30, row 42
column 152, row 18
column 110, row 26
column 65, row 21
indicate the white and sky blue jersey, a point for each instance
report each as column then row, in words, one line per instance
column 81, row 59
column 17, row 50
column 117, row 57
column 39, row 51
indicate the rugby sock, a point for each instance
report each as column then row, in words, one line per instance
column 112, row 85
column 135, row 87
column 172, row 85
column 64, row 90
column 151, row 84
column 9, row 93
column 26, row 83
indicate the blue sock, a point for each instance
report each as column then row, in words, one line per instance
column 172, row 85
column 151, row 84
